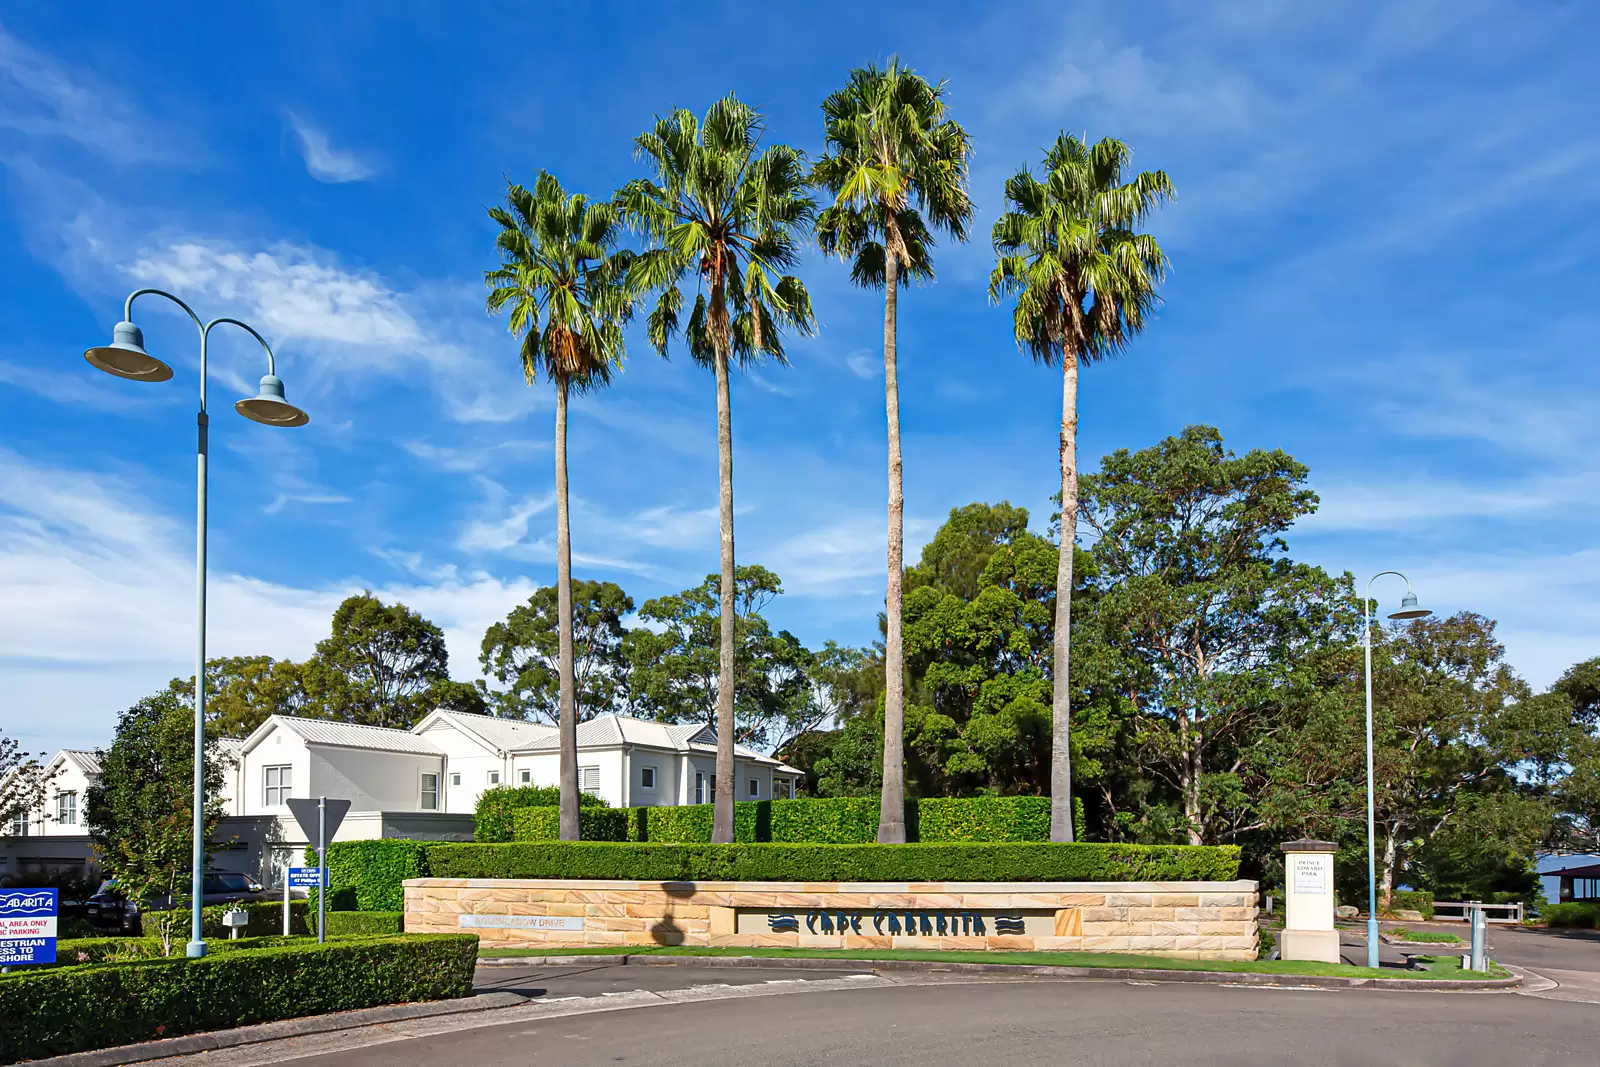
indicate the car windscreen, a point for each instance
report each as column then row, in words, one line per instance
column 227, row 883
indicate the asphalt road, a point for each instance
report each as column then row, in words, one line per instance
column 597, row 979
column 1054, row 1023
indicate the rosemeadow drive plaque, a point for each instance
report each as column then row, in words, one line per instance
column 27, row 926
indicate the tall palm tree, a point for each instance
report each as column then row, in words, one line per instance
column 896, row 165
column 565, row 283
column 1085, row 284
column 728, row 214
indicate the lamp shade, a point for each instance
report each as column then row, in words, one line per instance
column 1410, row 609
column 269, row 407
column 126, row 358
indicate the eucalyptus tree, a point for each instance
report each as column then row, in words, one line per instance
column 724, row 214
column 896, row 166
column 564, row 282
column 1085, row 283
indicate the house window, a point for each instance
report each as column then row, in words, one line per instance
column 275, row 785
column 647, row 777
column 494, row 777
column 699, row 787
column 525, row 777
column 19, row 824
column 755, row 787
column 430, row 792
column 589, row 780
column 788, row 788
column 67, row 808
column 455, row 777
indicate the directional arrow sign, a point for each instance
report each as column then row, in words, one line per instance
column 304, row 810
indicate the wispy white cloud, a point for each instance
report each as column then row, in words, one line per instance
column 40, row 99
column 468, row 459
column 865, row 364
column 325, row 162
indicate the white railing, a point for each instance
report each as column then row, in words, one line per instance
column 1492, row 913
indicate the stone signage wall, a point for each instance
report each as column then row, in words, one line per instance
column 1204, row 920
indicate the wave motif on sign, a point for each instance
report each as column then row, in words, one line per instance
column 784, row 923
column 1008, row 924
column 42, row 904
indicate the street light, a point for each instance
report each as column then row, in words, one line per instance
column 1409, row 609
column 126, row 357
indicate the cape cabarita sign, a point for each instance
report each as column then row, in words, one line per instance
column 900, row 922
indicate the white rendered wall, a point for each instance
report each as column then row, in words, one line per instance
column 370, row 780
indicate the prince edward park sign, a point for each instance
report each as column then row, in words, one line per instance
column 27, row 926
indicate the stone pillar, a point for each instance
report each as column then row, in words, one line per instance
column 1308, row 932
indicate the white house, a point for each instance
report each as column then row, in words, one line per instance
column 626, row 762
column 421, row 783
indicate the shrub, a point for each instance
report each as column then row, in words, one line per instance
column 364, row 923
column 828, row 820
column 266, row 919
column 89, row 950
column 1579, row 916
column 366, row 875
column 496, row 808
column 1419, row 900
column 1006, row 862
column 595, row 824
column 71, row 1009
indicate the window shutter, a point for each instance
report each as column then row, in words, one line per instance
column 589, row 780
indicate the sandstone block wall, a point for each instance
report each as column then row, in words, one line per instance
column 1204, row 920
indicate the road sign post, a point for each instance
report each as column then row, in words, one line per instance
column 319, row 819
column 27, row 926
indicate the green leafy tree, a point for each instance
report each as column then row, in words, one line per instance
column 140, row 812
column 1085, row 283
column 675, row 668
column 22, row 782
column 1199, row 620
column 243, row 691
column 896, row 166
column 566, row 285
column 727, row 214
column 382, row 665
column 523, row 653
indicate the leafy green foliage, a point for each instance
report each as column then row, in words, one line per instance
column 266, row 919
column 140, row 812
column 382, row 665
column 72, row 1009
column 522, row 653
column 1032, row 862
column 22, row 781
column 833, row 820
column 675, row 665
column 365, row 923
column 1419, row 900
column 1574, row 916
column 497, row 807
column 366, row 875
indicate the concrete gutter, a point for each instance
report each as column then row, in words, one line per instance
column 1135, row 974
column 252, row 1035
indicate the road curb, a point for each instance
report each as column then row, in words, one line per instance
column 253, row 1035
column 1137, row 974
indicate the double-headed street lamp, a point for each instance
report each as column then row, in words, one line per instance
column 125, row 357
column 1409, row 609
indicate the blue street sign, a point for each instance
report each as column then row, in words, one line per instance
column 27, row 926
column 308, row 877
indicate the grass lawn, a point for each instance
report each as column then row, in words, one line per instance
column 1442, row 967
column 1428, row 937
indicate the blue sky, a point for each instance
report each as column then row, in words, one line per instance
column 1384, row 255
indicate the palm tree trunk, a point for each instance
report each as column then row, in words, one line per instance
column 569, row 711
column 722, row 784
column 892, row 805
column 1061, row 696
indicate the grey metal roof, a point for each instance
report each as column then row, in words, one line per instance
column 352, row 735
column 88, row 762
column 504, row 734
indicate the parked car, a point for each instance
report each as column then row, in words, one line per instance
column 109, row 911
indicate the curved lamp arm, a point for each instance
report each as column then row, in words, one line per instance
column 205, row 333
column 127, row 306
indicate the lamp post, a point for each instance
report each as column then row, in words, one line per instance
column 126, row 357
column 1409, row 609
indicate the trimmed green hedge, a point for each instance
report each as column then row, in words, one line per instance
column 72, row 1009
column 985, row 862
column 266, row 919
column 1419, row 900
column 366, row 875
column 365, row 923
column 827, row 820
column 80, row 951
column 497, row 807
